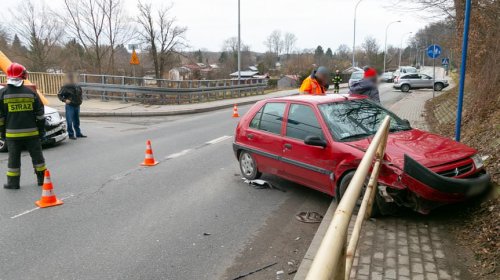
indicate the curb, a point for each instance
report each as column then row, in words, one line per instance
column 306, row 262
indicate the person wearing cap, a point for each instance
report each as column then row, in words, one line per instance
column 367, row 86
column 71, row 94
column 22, row 124
column 316, row 83
column 337, row 79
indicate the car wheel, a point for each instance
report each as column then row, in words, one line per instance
column 248, row 166
column 3, row 146
column 344, row 183
column 438, row 87
column 405, row 88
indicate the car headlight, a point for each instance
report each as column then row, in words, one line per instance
column 478, row 161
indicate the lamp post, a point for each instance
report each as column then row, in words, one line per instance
column 239, row 44
column 385, row 44
column 354, row 39
column 401, row 47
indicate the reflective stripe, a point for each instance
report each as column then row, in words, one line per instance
column 20, row 107
column 48, row 192
column 18, row 95
column 149, row 156
column 13, row 174
column 19, row 100
column 21, row 134
column 14, row 169
column 10, row 130
column 40, row 167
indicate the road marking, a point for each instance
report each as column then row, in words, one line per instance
column 176, row 155
column 220, row 139
column 34, row 209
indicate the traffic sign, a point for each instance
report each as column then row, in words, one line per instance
column 445, row 61
column 434, row 51
column 134, row 59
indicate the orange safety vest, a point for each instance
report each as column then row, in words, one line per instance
column 311, row 86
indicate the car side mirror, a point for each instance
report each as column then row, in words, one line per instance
column 315, row 141
column 407, row 122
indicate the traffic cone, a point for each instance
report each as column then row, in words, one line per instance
column 235, row 111
column 48, row 196
column 149, row 159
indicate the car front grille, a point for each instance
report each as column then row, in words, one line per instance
column 456, row 171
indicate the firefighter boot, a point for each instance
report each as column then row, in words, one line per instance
column 12, row 182
column 40, row 176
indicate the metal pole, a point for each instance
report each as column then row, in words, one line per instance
column 433, row 74
column 354, row 39
column 239, row 44
column 385, row 44
column 465, row 45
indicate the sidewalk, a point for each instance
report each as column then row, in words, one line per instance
column 97, row 108
column 409, row 247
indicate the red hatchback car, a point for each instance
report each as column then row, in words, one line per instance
column 318, row 141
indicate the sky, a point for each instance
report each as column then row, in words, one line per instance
column 328, row 23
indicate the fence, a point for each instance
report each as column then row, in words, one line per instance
column 335, row 256
column 161, row 91
column 46, row 83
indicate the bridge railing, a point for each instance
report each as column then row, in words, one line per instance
column 335, row 255
column 46, row 83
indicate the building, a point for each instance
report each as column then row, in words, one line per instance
column 247, row 74
column 288, row 81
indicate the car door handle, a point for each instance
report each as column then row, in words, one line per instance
column 288, row 146
column 250, row 136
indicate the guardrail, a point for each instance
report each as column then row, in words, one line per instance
column 46, row 83
column 161, row 91
column 335, row 256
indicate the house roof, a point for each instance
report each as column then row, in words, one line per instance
column 244, row 74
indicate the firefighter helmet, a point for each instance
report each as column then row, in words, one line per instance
column 17, row 71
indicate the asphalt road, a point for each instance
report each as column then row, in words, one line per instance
column 187, row 218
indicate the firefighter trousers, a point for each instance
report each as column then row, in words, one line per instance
column 15, row 147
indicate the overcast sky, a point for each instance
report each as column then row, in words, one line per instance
column 328, row 23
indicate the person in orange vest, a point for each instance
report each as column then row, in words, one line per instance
column 316, row 83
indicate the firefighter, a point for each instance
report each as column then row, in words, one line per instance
column 316, row 83
column 337, row 79
column 22, row 124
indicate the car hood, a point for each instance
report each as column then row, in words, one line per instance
column 426, row 148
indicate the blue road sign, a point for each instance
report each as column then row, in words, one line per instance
column 445, row 61
column 434, row 51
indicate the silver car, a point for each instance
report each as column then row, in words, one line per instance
column 417, row 81
column 355, row 76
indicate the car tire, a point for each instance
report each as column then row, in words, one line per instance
column 248, row 166
column 343, row 187
column 438, row 86
column 3, row 146
column 405, row 88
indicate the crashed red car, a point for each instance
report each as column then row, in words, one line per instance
column 318, row 141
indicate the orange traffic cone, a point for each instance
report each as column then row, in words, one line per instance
column 48, row 197
column 149, row 159
column 235, row 111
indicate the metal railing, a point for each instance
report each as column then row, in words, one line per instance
column 162, row 91
column 335, row 256
column 46, row 83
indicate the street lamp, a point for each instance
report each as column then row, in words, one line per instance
column 354, row 40
column 385, row 45
column 400, row 47
column 239, row 44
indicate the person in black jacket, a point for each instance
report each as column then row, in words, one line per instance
column 71, row 95
column 22, row 124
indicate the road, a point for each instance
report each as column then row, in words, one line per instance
column 190, row 217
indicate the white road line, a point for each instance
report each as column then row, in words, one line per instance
column 176, row 155
column 220, row 139
column 34, row 209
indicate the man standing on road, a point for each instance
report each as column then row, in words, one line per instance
column 337, row 79
column 367, row 85
column 316, row 83
column 71, row 95
column 22, row 124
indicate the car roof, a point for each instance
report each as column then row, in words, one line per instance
column 319, row 99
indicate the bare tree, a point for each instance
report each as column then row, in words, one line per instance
column 274, row 42
column 163, row 37
column 289, row 42
column 41, row 32
column 118, row 31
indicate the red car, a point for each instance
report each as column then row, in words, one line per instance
column 318, row 141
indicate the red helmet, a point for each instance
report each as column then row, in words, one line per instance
column 17, row 71
column 370, row 73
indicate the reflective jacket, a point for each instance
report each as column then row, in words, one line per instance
column 311, row 86
column 21, row 113
column 337, row 79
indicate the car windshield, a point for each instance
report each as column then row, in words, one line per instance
column 354, row 119
column 357, row 75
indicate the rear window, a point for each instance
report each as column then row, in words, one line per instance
column 357, row 75
column 269, row 117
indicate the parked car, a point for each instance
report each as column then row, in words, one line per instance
column 55, row 129
column 417, row 81
column 387, row 77
column 318, row 141
column 404, row 70
column 355, row 76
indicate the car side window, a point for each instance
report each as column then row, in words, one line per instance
column 302, row 122
column 269, row 118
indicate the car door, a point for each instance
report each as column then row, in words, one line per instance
column 425, row 81
column 264, row 137
column 309, row 165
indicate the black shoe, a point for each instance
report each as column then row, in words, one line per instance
column 12, row 183
column 72, row 137
column 40, row 177
column 81, row 136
